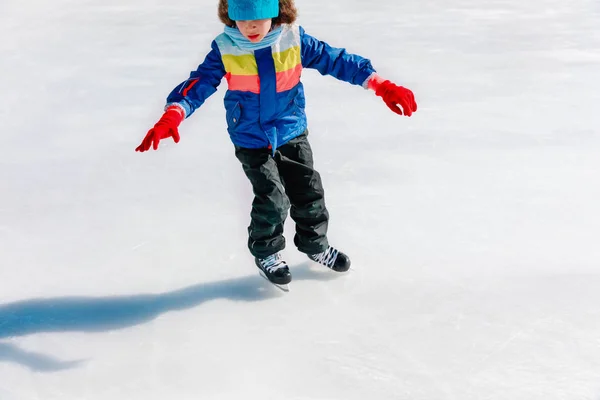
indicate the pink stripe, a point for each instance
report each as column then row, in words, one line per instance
column 288, row 79
column 244, row 83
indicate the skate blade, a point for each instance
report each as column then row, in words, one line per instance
column 283, row 288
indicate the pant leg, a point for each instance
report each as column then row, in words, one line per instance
column 305, row 190
column 270, row 205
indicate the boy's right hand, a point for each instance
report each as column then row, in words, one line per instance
column 164, row 128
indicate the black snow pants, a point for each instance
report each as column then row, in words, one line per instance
column 279, row 181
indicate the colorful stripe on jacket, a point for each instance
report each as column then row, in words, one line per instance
column 241, row 68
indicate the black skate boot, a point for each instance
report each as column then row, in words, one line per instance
column 332, row 258
column 274, row 269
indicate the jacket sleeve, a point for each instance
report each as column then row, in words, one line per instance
column 336, row 62
column 201, row 84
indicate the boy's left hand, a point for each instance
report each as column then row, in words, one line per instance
column 394, row 95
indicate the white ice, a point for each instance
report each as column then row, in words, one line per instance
column 473, row 226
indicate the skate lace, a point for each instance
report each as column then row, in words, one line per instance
column 327, row 257
column 272, row 263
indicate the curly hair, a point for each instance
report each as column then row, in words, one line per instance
column 287, row 13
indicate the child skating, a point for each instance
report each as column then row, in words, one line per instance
column 261, row 54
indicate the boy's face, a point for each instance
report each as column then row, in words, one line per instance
column 254, row 30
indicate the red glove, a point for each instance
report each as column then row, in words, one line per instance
column 393, row 95
column 164, row 128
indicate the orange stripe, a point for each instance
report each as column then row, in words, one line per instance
column 286, row 80
column 189, row 86
column 244, row 83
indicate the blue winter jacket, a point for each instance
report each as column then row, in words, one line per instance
column 264, row 102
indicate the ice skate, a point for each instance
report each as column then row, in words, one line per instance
column 332, row 258
column 275, row 270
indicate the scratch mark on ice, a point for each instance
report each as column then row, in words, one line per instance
column 139, row 245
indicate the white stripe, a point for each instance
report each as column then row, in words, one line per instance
column 290, row 37
column 228, row 47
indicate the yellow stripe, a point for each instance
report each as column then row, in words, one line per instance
column 287, row 59
column 240, row 65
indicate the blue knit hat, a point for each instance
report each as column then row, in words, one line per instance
column 247, row 10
